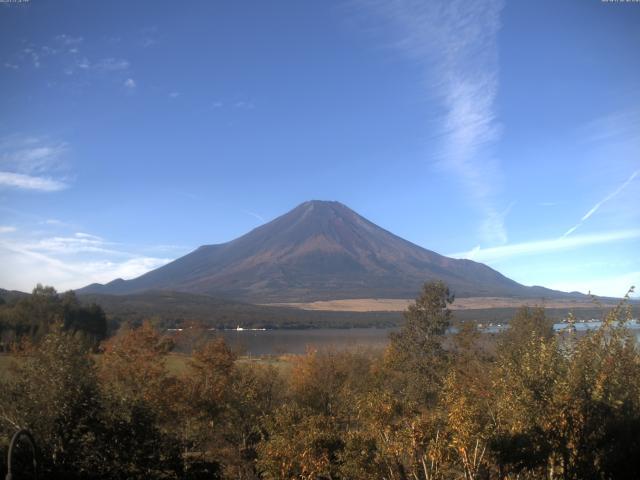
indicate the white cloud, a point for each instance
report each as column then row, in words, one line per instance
column 149, row 36
column 28, row 182
column 455, row 42
column 620, row 126
column 244, row 105
column 134, row 267
column 174, row 94
column 69, row 40
column 83, row 64
column 33, row 55
column 105, row 66
column 597, row 206
column 147, row 42
column 28, row 163
column 88, row 236
column 68, row 262
column 67, row 54
column 72, row 245
column 254, row 215
column 7, row 229
column 111, row 64
column 130, row 83
column 56, row 223
column 31, row 155
column 545, row 246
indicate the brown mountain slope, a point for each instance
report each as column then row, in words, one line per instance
column 319, row 251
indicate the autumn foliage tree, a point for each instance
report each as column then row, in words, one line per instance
column 416, row 353
column 531, row 403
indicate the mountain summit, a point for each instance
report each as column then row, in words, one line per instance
column 320, row 250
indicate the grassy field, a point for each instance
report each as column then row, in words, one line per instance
column 470, row 303
column 176, row 363
column 5, row 362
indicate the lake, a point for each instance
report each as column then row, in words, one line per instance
column 294, row 341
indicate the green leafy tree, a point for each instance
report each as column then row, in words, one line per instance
column 31, row 317
column 89, row 321
column 417, row 352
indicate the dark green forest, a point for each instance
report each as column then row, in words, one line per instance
column 533, row 404
column 174, row 309
column 30, row 317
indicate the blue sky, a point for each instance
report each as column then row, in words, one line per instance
column 133, row 132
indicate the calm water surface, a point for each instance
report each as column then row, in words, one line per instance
column 276, row 342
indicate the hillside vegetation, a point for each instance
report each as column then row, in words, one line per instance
column 30, row 317
column 538, row 405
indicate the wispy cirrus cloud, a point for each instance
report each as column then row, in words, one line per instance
column 111, row 64
column 149, row 36
column 455, row 42
column 79, row 242
column 597, row 206
column 621, row 126
column 68, row 54
column 35, row 55
column 546, row 246
column 69, row 40
column 254, row 215
column 32, row 55
column 32, row 155
column 31, row 163
column 103, row 66
column 244, row 105
column 54, row 222
column 29, row 182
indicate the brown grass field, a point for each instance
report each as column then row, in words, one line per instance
column 398, row 305
column 176, row 363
